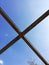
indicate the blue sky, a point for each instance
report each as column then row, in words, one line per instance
column 23, row 13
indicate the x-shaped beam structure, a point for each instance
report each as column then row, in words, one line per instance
column 21, row 34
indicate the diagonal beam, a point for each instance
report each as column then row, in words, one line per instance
column 28, row 28
column 21, row 35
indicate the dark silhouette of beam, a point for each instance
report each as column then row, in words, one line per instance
column 21, row 34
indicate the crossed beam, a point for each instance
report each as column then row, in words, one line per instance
column 21, row 34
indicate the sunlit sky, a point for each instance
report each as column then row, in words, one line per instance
column 23, row 13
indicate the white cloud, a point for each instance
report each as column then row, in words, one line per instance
column 1, row 62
